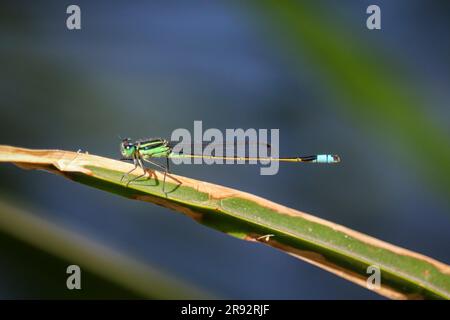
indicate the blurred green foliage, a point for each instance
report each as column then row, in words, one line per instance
column 372, row 89
column 40, row 252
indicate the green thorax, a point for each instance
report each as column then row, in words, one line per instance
column 154, row 148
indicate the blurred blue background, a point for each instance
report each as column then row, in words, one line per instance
column 311, row 69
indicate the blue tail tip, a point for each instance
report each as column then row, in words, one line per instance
column 328, row 158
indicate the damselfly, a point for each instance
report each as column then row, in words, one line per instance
column 148, row 149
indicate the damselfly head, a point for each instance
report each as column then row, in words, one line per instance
column 127, row 148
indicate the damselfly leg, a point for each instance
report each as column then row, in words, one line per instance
column 165, row 168
column 140, row 165
column 127, row 173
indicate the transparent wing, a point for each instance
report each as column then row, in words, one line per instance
column 223, row 145
column 225, row 148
